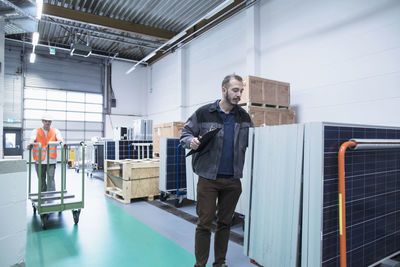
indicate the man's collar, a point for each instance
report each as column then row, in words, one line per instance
column 232, row 111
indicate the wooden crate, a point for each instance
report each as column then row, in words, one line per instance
column 165, row 130
column 125, row 180
column 262, row 116
column 264, row 92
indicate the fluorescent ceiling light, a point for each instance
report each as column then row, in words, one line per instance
column 218, row 9
column 39, row 8
column 149, row 56
column 176, row 37
column 32, row 58
column 35, row 38
column 131, row 69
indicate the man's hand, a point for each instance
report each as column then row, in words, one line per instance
column 194, row 144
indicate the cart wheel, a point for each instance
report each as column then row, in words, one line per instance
column 163, row 196
column 75, row 214
column 178, row 202
column 44, row 218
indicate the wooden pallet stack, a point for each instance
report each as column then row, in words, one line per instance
column 165, row 130
column 125, row 180
column 267, row 101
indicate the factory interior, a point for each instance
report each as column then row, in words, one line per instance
column 108, row 96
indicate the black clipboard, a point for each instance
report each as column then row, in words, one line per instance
column 204, row 141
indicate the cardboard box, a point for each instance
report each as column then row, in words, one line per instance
column 264, row 92
column 165, row 130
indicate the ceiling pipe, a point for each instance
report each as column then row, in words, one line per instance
column 210, row 23
column 181, row 34
column 112, row 40
column 68, row 50
column 19, row 10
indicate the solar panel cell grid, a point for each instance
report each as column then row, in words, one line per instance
column 171, row 172
column 372, row 198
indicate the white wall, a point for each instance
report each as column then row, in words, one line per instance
column 129, row 89
column 2, row 48
column 192, row 76
column 342, row 58
column 131, row 93
column 165, row 89
column 210, row 58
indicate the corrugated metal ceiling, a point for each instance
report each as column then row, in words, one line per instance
column 128, row 29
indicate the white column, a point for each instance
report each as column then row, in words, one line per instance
column 183, row 83
column 2, row 49
column 253, row 40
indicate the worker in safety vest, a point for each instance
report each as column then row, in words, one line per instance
column 45, row 135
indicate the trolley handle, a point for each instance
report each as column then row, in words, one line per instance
column 54, row 142
column 30, row 145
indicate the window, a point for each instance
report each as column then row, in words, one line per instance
column 63, row 105
column 67, row 108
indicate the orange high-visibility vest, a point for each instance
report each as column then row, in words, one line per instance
column 44, row 140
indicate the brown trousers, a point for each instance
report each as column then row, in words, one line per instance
column 227, row 191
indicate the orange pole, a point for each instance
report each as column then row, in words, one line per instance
column 342, row 202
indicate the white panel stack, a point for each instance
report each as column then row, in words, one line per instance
column 13, row 197
column 312, row 194
column 273, row 214
column 163, row 166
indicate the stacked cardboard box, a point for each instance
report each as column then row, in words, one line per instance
column 165, row 130
column 267, row 101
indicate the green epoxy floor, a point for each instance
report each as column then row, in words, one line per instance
column 113, row 238
column 106, row 235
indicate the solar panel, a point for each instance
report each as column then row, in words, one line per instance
column 129, row 149
column 372, row 197
column 172, row 165
column 110, row 150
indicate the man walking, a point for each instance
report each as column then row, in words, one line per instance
column 45, row 135
column 219, row 165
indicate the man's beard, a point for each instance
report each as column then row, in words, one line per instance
column 229, row 99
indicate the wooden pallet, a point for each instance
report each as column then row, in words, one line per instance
column 265, row 116
column 262, row 105
column 125, row 180
column 117, row 194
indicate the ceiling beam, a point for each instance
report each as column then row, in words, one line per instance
column 91, row 30
column 84, row 17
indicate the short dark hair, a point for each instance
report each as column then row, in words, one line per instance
column 227, row 79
